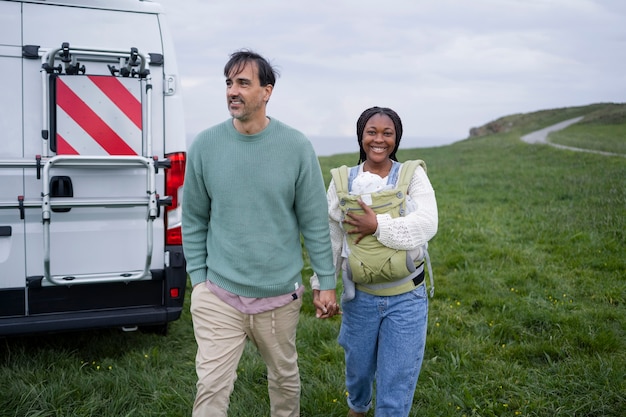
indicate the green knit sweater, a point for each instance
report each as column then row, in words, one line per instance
column 246, row 200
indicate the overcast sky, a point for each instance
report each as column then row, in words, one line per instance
column 443, row 65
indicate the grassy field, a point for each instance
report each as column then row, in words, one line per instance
column 528, row 317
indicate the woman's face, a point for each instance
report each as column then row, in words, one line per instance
column 379, row 138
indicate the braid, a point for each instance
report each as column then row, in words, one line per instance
column 360, row 127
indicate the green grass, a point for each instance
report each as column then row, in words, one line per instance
column 528, row 317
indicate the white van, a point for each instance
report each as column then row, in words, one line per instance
column 92, row 161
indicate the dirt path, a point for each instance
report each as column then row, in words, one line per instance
column 541, row 137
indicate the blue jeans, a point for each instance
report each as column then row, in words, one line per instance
column 384, row 339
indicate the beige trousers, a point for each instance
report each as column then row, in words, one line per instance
column 221, row 332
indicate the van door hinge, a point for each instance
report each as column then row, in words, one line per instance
column 169, row 89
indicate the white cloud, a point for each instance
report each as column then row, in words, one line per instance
column 444, row 65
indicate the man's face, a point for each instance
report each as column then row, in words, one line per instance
column 245, row 96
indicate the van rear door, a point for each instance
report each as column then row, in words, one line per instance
column 92, row 111
column 84, row 118
column 12, row 252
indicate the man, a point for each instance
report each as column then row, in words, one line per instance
column 253, row 185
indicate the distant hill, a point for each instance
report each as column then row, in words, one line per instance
column 601, row 113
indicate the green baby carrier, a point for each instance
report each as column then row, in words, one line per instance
column 372, row 266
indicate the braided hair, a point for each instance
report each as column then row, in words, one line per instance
column 360, row 127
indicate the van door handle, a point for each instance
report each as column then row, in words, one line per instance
column 61, row 186
column 5, row 231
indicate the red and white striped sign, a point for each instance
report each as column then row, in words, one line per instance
column 98, row 115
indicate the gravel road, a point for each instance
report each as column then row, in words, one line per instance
column 541, row 137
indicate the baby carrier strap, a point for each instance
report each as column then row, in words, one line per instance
column 340, row 178
column 406, row 174
column 408, row 170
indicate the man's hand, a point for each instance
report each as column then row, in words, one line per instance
column 325, row 302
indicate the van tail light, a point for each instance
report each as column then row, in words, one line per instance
column 174, row 179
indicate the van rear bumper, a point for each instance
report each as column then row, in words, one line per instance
column 48, row 309
column 73, row 321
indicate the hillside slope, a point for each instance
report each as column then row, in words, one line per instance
column 600, row 113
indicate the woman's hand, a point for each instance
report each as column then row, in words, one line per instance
column 363, row 224
column 325, row 302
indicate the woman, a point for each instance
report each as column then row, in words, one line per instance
column 383, row 329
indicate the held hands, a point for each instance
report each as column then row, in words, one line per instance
column 363, row 224
column 325, row 302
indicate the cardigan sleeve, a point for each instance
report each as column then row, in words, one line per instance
column 416, row 228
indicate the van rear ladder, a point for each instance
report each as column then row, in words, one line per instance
column 65, row 88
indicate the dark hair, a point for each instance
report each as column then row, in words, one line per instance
column 365, row 116
column 238, row 59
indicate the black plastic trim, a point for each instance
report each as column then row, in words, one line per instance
column 12, row 302
column 52, row 323
column 30, row 51
column 156, row 59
